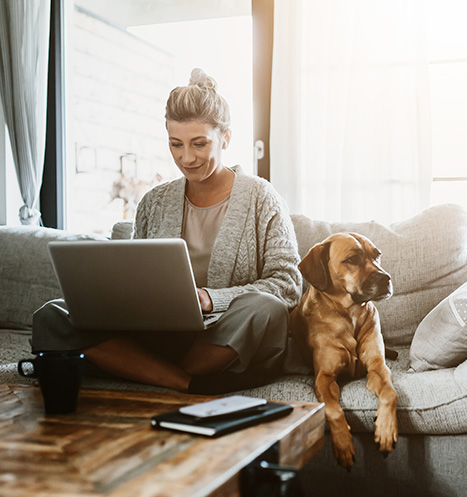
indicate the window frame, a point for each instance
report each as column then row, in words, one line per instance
column 52, row 194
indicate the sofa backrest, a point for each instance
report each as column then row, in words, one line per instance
column 27, row 278
column 425, row 255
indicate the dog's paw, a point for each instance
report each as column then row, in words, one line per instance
column 385, row 434
column 344, row 449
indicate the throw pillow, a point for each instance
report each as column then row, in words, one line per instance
column 440, row 340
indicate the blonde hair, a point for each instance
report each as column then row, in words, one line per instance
column 198, row 100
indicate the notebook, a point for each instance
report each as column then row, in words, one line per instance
column 220, row 425
column 129, row 285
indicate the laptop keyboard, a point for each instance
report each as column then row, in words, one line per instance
column 211, row 318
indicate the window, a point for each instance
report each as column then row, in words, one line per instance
column 447, row 53
column 98, row 177
column 120, row 68
column 369, row 109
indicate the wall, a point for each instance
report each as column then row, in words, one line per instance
column 116, row 139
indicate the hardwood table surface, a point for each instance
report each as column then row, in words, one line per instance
column 107, row 447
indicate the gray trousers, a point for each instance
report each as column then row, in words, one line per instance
column 255, row 326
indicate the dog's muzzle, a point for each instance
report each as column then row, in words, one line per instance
column 377, row 286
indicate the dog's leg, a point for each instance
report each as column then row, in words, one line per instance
column 379, row 382
column 327, row 369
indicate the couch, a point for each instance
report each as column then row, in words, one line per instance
column 427, row 258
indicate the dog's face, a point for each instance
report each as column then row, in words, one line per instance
column 347, row 263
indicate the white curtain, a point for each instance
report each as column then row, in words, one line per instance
column 24, row 43
column 350, row 111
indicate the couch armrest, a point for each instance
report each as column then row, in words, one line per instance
column 122, row 230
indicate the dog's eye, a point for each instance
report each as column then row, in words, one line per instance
column 354, row 260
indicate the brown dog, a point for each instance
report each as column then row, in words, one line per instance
column 338, row 330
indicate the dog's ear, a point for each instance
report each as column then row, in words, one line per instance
column 314, row 266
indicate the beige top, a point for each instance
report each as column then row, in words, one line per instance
column 199, row 229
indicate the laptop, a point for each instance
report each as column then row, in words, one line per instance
column 129, row 285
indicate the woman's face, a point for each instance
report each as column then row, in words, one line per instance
column 196, row 148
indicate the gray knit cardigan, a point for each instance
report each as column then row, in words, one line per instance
column 255, row 249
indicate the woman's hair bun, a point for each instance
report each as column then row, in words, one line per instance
column 198, row 100
column 199, row 78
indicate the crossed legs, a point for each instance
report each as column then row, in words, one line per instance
column 127, row 359
column 252, row 332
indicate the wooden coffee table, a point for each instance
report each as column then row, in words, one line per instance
column 109, row 448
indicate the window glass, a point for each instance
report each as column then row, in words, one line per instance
column 446, row 33
column 117, row 82
column 449, row 117
column 447, row 53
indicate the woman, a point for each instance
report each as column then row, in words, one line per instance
column 244, row 256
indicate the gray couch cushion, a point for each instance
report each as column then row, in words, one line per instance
column 27, row 278
column 426, row 256
column 432, row 402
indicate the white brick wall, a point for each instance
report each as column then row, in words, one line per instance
column 118, row 90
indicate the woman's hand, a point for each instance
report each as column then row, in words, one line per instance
column 204, row 300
